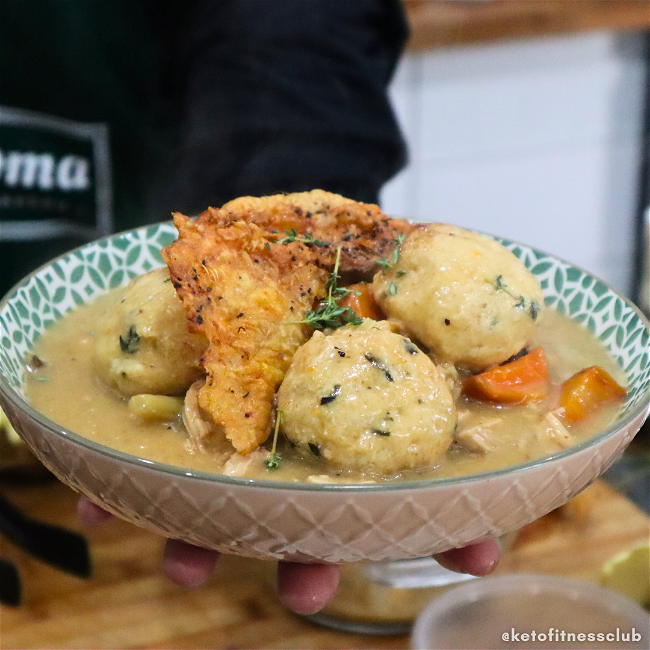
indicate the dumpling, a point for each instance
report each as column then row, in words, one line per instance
column 366, row 400
column 463, row 295
column 144, row 345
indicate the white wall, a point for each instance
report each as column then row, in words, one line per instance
column 536, row 141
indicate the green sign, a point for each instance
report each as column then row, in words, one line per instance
column 54, row 178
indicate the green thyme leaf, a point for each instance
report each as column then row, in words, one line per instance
column 384, row 263
column 307, row 239
column 520, row 301
column 329, row 314
column 379, row 364
column 387, row 263
column 328, row 399
column 131, row 343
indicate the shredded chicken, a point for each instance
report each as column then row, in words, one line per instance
column 479, row 438
column 320, row 478
column 204, row 433
column 238, row 465
column 556, row 436
column 451, row 377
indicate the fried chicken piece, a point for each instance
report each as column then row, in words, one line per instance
column 243, row 293
column 363, row 231
column 242, row 281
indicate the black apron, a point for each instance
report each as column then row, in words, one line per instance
column 116, row 113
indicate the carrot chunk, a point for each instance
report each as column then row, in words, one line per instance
column 522, row 380
column 363, row 304
column 587, row 391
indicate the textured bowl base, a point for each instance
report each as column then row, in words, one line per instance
column 302, row 524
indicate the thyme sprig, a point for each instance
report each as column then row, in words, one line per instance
column 390, row 261
column 330, row 314
column 273, row 461
column 307, row 238
column 531, row 306
column 131, row 343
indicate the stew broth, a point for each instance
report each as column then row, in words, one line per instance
column 67, row 390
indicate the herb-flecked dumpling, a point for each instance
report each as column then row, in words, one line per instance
column 143, row 345
column 461, row 294
column 366, row 400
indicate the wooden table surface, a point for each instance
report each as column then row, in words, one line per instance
column 128, row 604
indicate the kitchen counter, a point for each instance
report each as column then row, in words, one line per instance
column 444, row 23
column 128, row 604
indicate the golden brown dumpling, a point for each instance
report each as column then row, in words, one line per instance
column 144, row 345
column 366, row 400
column 463, row 295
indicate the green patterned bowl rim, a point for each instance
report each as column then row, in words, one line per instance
column 72, row 279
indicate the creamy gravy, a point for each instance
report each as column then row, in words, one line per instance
column 67, row 390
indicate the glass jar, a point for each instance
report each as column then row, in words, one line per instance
column 385, row 597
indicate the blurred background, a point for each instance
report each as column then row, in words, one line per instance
column 540, row 140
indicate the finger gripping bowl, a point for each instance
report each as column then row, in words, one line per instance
column 310, row 522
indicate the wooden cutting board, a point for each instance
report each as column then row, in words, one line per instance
column 128, row 604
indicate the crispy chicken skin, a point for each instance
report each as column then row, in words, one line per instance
column 362, row 230
column 242, row 287
column 242, row 297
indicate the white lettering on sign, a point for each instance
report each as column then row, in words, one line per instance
column 29, row 170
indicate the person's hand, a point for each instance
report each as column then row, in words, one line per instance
column 303, row 588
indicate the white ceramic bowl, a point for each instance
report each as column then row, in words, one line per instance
column 310, row 522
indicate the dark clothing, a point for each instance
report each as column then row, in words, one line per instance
column 174, row 105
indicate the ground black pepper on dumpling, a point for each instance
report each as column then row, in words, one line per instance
column 367, row 400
